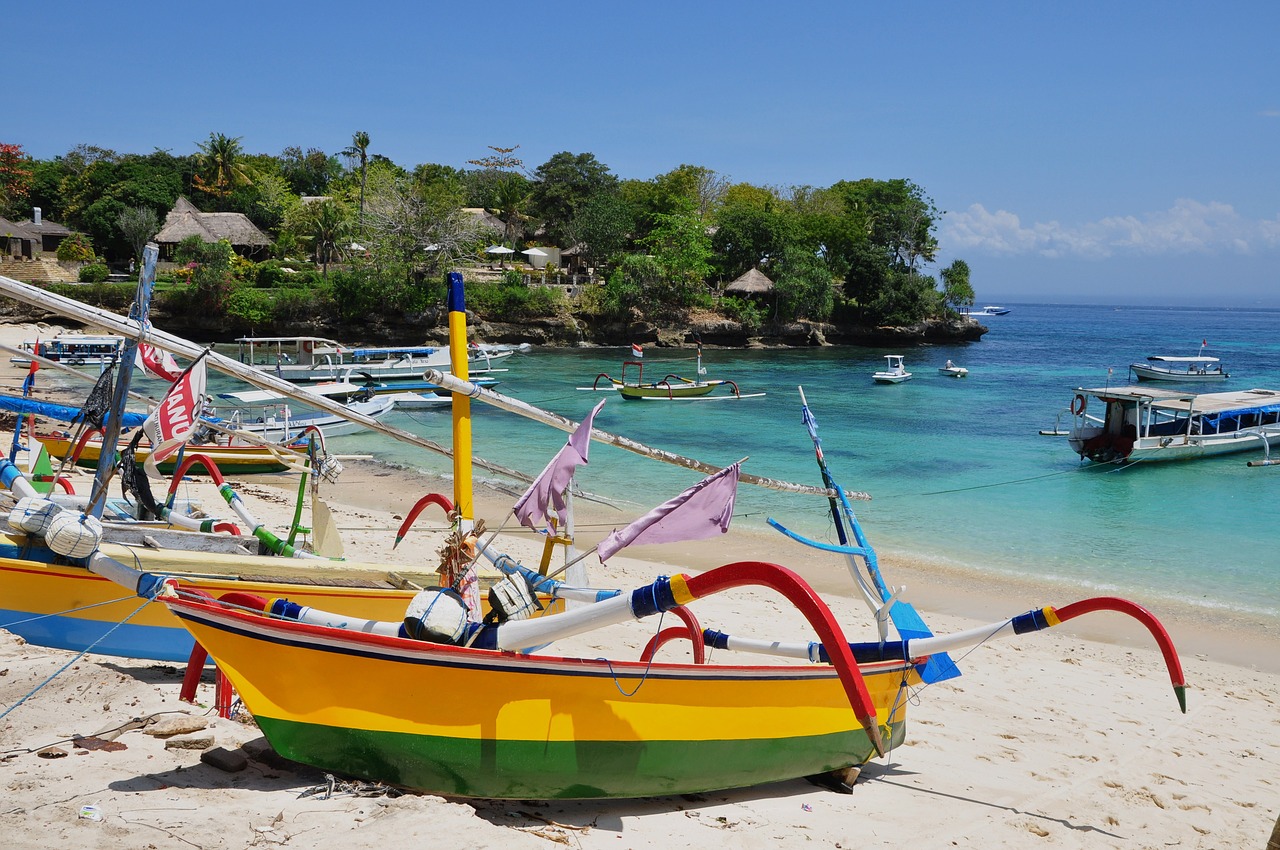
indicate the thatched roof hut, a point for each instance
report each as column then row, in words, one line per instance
column 185, row 220
column 752, row 282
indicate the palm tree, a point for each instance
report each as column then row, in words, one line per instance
column 360, row 150
column 220, row 165
column 327, row 225
column 511, row 201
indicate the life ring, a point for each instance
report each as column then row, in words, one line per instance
column 308, row 346
column 1078, row 405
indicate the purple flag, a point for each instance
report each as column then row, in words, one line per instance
column 702, row 511
column 547, row 490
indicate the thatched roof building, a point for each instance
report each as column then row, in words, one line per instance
column 185, row 220
column 752, row 282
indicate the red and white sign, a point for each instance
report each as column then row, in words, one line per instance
column 157, row 362
column 170, row 424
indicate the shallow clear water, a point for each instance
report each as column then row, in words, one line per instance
column 956, row 467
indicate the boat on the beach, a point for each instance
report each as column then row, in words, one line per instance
column 1184, row 370
column 894, row 372
column 951, row 370
column 1128, row 424
column 356, row 697
column 231, row 460
column 73, row 349
column 361, row 386
column 280, row 422
column 303, row 359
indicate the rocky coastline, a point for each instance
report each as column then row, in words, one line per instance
column 562, row 331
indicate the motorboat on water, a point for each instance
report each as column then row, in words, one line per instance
column 73, row 349
column 1181, row 369
column 951, row 370
column 1127, row 424
column 305, row 359
column 893, row 373
column 989, row 310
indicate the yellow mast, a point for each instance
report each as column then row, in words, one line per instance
column 461, row 405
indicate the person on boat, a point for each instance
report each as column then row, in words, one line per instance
column 950, row 365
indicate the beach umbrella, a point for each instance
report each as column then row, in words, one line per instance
column 534, row 252
column 501, row 251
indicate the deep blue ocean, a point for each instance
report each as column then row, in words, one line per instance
column 956, row 468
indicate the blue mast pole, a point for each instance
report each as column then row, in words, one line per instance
column 111, row 436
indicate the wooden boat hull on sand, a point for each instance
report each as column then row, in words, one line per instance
column 231, row 460
column 68, row 607
column 482, row 723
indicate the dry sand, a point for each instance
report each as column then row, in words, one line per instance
column 1057, row 739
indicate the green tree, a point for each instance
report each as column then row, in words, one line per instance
column 138, row 224
column 359, row 152
column 327, row 225
column 682, row 249
column 308, row 172
column 602, row 227
column 562, row 187
column 221, row 169
column 802, row 286
column 957, row 291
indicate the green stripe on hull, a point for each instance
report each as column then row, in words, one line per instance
column 545, row 770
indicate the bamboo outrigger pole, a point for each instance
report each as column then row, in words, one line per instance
column 512, row 405
column 264, row 380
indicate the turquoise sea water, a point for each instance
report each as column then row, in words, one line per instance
column 956, row 468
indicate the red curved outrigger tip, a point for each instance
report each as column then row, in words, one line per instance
column 419, row 506
column 1142, row 615
column 807, row 602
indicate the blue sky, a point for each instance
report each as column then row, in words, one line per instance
column 1095, row 152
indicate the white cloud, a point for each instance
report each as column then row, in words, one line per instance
column 1188, row 227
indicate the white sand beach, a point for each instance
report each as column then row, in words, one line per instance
column 1066, row 738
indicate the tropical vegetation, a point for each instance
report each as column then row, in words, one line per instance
column 359, row 235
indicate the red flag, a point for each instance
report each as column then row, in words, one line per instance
column 170, row 424
column 157, row 362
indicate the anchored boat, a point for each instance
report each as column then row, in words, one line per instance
column 1128, row 424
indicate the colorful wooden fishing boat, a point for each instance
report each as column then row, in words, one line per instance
column 670, row 388
column 538, row 727
column 231, row 460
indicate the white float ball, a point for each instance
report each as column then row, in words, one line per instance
column 32, row 515
column 73, row 535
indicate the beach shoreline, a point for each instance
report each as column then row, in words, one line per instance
column 1070, row 736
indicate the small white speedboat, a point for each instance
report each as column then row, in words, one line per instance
column 893, row 373
column 953, row 371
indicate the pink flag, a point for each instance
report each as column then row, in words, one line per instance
column 702, row 511
column 636, row 351
column 157, row 362
column 170, row 424
column 547, row 490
